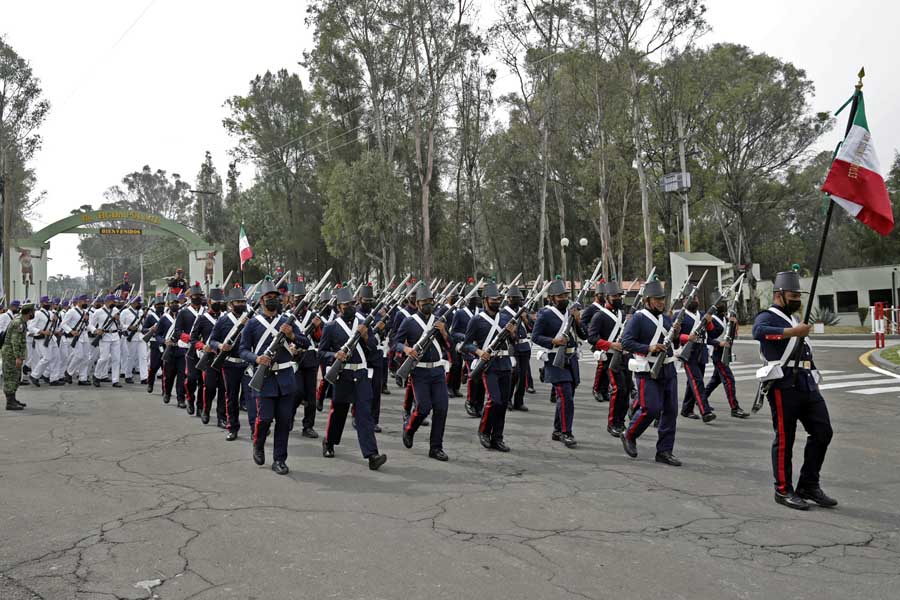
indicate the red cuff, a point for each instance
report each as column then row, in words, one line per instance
column 683, row 338
column 602, row 345
column 710, row 326
column 199, row 345
column 185, row 337
column 774, row 336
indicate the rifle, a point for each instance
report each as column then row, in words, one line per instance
column 82, row 323
column 479, row 365
column 215, row 360
column 55, row 322
column 334, row 371
column 727, row 352
column 559, row 358
column 669, row 341
column 698, row 326
column 96, row 341
column 410, row 363
column 513, row 281
column 262, row 371
column 615, row 359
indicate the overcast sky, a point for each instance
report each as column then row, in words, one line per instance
column 134, row 82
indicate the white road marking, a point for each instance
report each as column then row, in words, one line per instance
column 846, row 384
column 876, row 391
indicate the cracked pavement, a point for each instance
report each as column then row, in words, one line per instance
column 110, row 494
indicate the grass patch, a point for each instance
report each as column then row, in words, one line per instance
column 892, row 354
column 838, row 329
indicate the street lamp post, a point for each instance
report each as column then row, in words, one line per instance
column 564, row 242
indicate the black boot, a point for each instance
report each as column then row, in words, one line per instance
column 11, row 403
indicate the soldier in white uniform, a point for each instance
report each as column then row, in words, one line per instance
column 132, row 341
column 74, row 325
column 105, row 324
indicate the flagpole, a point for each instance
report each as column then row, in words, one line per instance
column 818, row 267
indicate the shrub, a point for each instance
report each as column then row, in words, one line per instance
column 825, row 316
column 863, row 312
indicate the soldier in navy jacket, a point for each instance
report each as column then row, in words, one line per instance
column 365, row 305
column 657, row 398
column 150, row 325
column 307, row 365
column 233, row 368
column 454, row 376
column 521, row 350
column 600, row 388
column 604, row 335
column 183, row 328
column 549, row 334
column 793, row 394
column 428, row 379
column 717, row 340
column 694, row 361
column 173, row 368
column 458, row 327
column 276, row 399
column 213, row 382
column 497, row 376
column 353, row 386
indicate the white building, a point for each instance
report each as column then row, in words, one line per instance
column 719, row 274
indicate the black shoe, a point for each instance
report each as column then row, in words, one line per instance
column 499, row 445
column 377, row 428
column 655, row 424
column 190, row 408
column 143, row 382
column 376, row 460
column 353, row 422
column 232, row 435
column 67, row 378
column 438, row 454
column 569, row 440
column 406, row 416
column 629, row 445
column 327, row 449
column 470, row 410
column 385, row 391
column 690, row 415
column 399, row 382
column 10, row 405
column 739, row 413
column 485, row 440
column 259, row 454
column 309, row 432
column 181, row 404
column 522, row 408
column 57, row 383
column 221, row 423
column 243, row 406
column 84, row 383
column 530, row 390
column 619, row 429
column 22, row 404
column 407, row 439
column 667, row 458
column 37, row 383
column 115, row 385
column 425, row 423
column 45, row 379
column 150, row 387
column 320, row 405
column 709, row 417
column 279, row 467
column 818, row 496
column 613, row 431
column 129, row 380
column 791, row 500
column 455, row 394
column 25, row 381
column 600, row 397
column 105, row 380
column 204, row 418
column 556, row 436
column 553, row 399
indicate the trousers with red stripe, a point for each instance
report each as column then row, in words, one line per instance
column 619, row 390
column 429, row 388
column 474, row 390
column 497, row 391
column 173, row 375
column 305, row 379
column 235, row 385
column 657, row 399
column 352, row 389
column 281, row 410
column 521, row 378
column 790, row 405
column 722, row 375
column 214, row 389
column 695, row 390
column 193, row 382
column 601, row 379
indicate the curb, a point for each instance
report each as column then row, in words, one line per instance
column 875, row 356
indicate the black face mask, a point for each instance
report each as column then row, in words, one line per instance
column 693, row 306
column 493, row 306
column 654, row 311
column 616, row 304
column 562, row 305
column 792, row 306
column 426, row 308
column 515, row 302
column 720, row 310
column 238, row 309
column 473, row 303
column 349, row 313
column 195, row 301
column 273, row 304
column 158, row 310
column 173, row 309
column 368, row 304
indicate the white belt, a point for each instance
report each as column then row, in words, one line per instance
column 354, row 367
column 233, row 359
column 501, row 353
column 281, row 366
column 431, row 365
column 183, row 344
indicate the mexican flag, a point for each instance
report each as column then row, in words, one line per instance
column 855, row 180
column 244, row 247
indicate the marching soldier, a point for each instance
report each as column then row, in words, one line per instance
column 603, row 333
column 657, row 398
column 792, row 389
column 233, row 368
column 521, row 350
column 184, row 327
column 173, row 364
column 548, row 333
column 130, row 319
column 39, row 329
column 353, row 386
column 276, row 399
column 695, row 362
column 13, row 353
column 458, row 328
column 307, row 366
column 366, row 301
column 213, row 387
column 74, row 325
column 721, row 372
column 601, row 377
column 105, row 323
column 497, row 375
column 454, row 376
column 427, row 381
column 150, row 325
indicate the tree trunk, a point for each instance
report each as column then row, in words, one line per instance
column 620, row 238
column 545, row 229
column 642, row 176
column 605, row 250
column 564, row 264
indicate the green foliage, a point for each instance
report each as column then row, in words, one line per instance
column 826, row 316
column 862, row 312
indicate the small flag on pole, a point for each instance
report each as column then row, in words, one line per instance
column 855, row 182
column 244, row 246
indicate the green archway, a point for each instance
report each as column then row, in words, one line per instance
column 28, row 257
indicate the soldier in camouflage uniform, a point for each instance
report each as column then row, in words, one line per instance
column 14, row 353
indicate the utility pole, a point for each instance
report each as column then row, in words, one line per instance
column 202, row 193
column 684, row 196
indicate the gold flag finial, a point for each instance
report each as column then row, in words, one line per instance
column 861, row 74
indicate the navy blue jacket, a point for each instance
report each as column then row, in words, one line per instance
column 477, row 333
column 218, row 335
column 546, row 326
column 150, row 320
column 639, row 332
column 333, row 339
column 184, row 322
column 202, row 331
column 768, row 330
column 600, row 328
column 409, row 333
column 165, row 322
column 699, row 352
column 460, row 324
column 716, row 334
column 373, row 355
column 521, row 346
column 278, row 383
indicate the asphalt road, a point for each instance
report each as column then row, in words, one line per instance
column 110, row 494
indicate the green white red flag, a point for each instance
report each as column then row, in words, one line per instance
column 244, row 247
column 855, row 180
